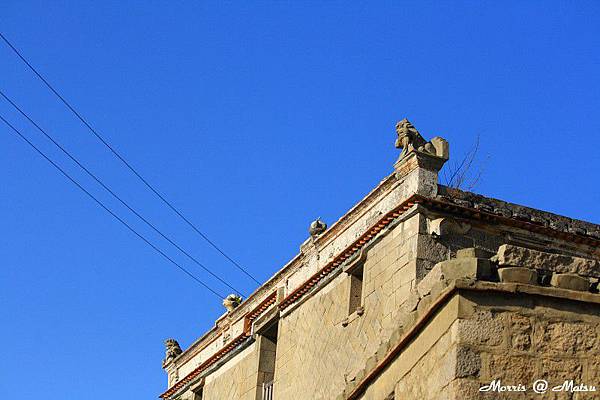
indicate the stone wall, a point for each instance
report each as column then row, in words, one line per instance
column 236, row 379
column 429, row 377
column 320, row 346
column 425, row 366
column 481, row 336
column 518, row 339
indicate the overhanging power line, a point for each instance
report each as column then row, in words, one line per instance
column 124, row 161
column 108, row 210
column 109, row 190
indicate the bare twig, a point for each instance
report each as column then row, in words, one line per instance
column 467, row 173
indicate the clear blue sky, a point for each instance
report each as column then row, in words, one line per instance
column 254, row 118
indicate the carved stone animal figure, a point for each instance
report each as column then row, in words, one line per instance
column 409, row 139
column 172, row 349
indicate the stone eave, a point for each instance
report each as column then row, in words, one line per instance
column 537, row 225
column 518, row 212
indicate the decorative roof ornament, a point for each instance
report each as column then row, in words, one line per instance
column 172, row 350
column 317, row 227
column 232, row 301
column 409, row 140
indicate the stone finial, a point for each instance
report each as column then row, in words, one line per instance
column 172, row 350
column 409, row 140
column 317, row 227
column 231, row 302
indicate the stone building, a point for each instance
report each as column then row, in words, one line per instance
column 420, row 291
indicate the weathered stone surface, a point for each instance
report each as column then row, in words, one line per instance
column 557, row 370
column 518, row 275
column 472, row 252
column 371, row 363
column 434, row 276
column 484, row 328
column 565, row 338
column 382, row 350
column 408, row 320
column 571, row 282
column 396, row 336
column 475, row 268
column 447, row 226
column 521, row 329
column 411, row 302
column 593, row 369
column 523, row 257
column 511, row 368
column 468, row 362
column 438, row 287
column 424, row 304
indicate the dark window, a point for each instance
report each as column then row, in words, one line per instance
column 267, row 342
column 198, row 393
column 356, row 287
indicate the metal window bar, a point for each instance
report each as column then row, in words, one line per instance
column 267, row 391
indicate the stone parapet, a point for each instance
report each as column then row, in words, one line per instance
column 509, row 255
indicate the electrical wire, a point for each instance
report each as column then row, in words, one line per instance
column 99, row 203
column 124, row 161
column 109, row 190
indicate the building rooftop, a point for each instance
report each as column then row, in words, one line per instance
column 413, row 185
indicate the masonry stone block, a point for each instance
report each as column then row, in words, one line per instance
column 396, row 336
column 468, row 362
column 433, row 277
column 518, row 275
column 382, row 350
column 409, row 320
column 424, row 304
column 556, row 371
column 411, row 302
column 570, row 281
column 521, row 329
column 484, row 328
column 457, row 268
column 371, row 363
column 509, row 368
column 472, row 252
column 564, row 338
column 520, row 256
